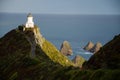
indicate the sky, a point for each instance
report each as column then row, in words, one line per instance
column 61, row 6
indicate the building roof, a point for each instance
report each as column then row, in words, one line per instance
column 29, row 15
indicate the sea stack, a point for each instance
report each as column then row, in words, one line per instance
column 66, row 48
column 89, row 46
column 78, row 61
column 96, row 47
column 93, row 48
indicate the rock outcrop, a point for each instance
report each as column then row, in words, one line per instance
column 66, row 48
column 89, row 46
column 78, row 61
column 96, row 47
column 39, row 39
column 93, row 48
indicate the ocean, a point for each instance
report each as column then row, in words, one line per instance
column 77, row 29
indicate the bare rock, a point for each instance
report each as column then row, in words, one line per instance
column 89, row 46
column 78, row 61
column 96, row 47
column 66, row 48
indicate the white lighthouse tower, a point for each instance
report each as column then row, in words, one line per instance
column 29, row 23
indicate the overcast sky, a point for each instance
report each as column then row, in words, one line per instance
column 61, row 6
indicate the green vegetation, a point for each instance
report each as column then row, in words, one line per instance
column 16, row 62
column 21, row 27
column 55, row 55
column 48, row 63
column 77, row 74
column 14, row 42
column 48, row 48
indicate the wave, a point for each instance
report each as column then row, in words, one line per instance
column 82, row 52
column 88, row 53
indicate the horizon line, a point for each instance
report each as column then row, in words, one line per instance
column 55, row 13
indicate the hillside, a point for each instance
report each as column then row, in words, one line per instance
column 26, row 55
column 108, row 57
column 21, row 52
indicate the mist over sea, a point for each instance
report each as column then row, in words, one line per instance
column 77, row 29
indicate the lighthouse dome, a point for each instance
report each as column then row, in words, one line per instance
column 29, row 15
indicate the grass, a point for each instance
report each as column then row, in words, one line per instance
column 55, row 55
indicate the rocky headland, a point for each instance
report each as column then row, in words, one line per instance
column 26, row 55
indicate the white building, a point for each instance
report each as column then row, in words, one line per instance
column 29, row 23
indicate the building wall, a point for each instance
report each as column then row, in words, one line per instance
column 29, row 23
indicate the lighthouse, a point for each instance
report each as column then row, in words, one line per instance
column 29, row 23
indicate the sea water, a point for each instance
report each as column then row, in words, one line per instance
column 77, row 29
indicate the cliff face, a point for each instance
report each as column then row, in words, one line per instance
column 39, row 39
column 34, row 37
column 107, row 57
